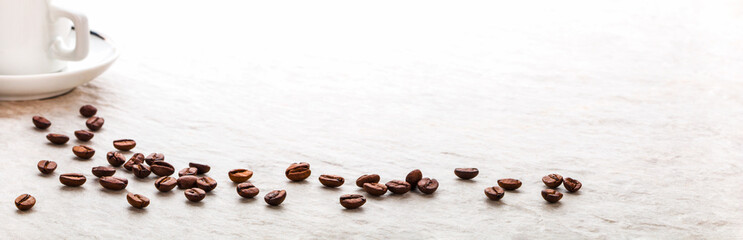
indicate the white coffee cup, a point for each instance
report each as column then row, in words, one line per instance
column 33, row 37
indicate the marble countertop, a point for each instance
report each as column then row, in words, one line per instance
column 640, row 101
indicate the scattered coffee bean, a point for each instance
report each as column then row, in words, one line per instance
column 413, row 178
column 552, row 180
column 113, row 183
column 572, row 185
column 376, row 189
column 187, row 171
column 41, row 122
column 58, row 139
column 247, row 190
column 332, row 180
column 201, row 168
column 88, row 110
column 428, row 185
column 137, row 158
column 466, row 173
column 367, row 178
column 137, row 201
column 275, row 197
column 46, row 166
column 298, row 171
column 187, row 181
column 550, row 195
column 352, row 201
column 206, row 183
column 103, row 171
column 154, row 157
column 83, row 151
column 140, row 170
column 195, row 194
column 72, row 179
column 84, row 135
column 115, row 158
column 94, row 123
column 166, row 183
column 495, row 193
column 398, row 186
column 509, row 183
column 25, row 202
column 125, row 144
column 240, row 175
column 162, row 168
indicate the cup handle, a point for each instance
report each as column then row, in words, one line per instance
column 82, row 35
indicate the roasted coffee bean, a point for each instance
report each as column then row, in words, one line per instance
column 332, row 180
column 72, row 179
column 41, row 122
column 88, row 110
column 137, row 158
column 298, row 171
column 46, row 166
column 398, row 186
column 240, row 175
column 376, row 189
column 125, row 144
column 195, row 194
column 413, row 178
column 352, row 201
column 275, row 197
column 94, row 123
column 206, row 183
column 113, row 183
column 83, row 151
column 495, row 193
column 84, row 135
column 201, row 168
column 572, row 185
column 137, row 201
column 509, row 183
column 166, row 183
column 187, row 181
column 552, row 180
column 428, row 185
column 367, row 178
column 154, row 157
column 103, row 171
column 162, row 168
column 58, row 139
column 550, row 195
column 466, row 173
column 25, row 202
column 140, row 170
column 187, row 171
column 115, row 158
column 247, row 190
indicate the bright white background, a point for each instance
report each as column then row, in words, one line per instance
column 639, row 100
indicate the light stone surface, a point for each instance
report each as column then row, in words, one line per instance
column 639, row 100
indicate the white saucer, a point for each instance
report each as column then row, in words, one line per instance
column 37, row 86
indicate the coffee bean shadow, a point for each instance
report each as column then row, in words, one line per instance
column 165, row 194
column 195, row 204
column 498, row 203
column 376, row 198
column 551, row 206
column 303, row 182
column 80, row 159
column 38, row 130
column 247, row 200
column 427, row 195
column 276, row 208
column 578, row 193
column 57, row 145
column 78, row 142
column 355, row 210
column 329, row 188
column 147, row 179
column 513, row 191
column 71, row 189
column 18, row 211
column 467, row 180
column 398, row 196
column 137, row 210
column 113, row 192
column 45, row 175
